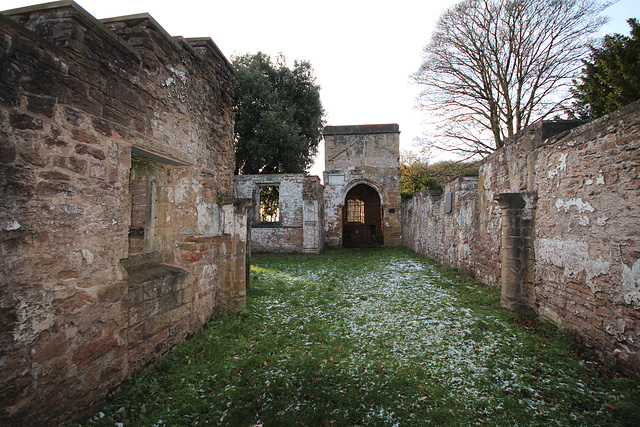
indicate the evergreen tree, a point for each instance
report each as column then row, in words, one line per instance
column 611, row 77
column 278, row 115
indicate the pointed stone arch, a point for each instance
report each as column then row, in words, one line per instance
column 362, row 214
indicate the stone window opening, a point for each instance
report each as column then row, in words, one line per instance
column 269, row 205
column 151, row 199
column 141, row 188
column 355, row 210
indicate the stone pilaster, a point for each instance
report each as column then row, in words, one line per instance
column 517, row 251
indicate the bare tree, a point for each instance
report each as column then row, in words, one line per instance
column 494, row 66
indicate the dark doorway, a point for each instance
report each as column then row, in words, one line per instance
column 362, row 217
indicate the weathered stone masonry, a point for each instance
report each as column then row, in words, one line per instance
column 553, row 218
column 300, row 226
column 119, row 233
column 363, row 170
column 363, row 159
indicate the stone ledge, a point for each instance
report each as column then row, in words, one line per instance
column 136, row 261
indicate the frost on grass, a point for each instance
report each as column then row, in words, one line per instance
column 375, row 337
column 401, row 321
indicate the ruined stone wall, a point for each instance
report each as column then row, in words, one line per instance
column 300, row 226
column 362, row 154
column 79, row 99
column 461, row 237
column 587, row 234
column 560, row 207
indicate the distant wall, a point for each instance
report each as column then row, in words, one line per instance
column 368, row 155
column 300, row 225
column 119, row 234
column 555, row 221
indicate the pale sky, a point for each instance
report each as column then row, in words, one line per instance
column 363, row 52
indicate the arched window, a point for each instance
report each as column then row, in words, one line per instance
column 355, row 210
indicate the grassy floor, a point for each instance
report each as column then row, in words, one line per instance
column 373, row 337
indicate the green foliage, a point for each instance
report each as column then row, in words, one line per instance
column 140, row 166
column 610, row 77
column 417, row 174
column 373, row 337
column 269, row 204
column 219, row 198
column 278, row 115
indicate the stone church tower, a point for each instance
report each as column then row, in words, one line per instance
column 362, row 185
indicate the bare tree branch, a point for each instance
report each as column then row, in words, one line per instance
column 494, row 66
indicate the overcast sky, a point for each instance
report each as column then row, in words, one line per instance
column 363, row 52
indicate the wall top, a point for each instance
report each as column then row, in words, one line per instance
column 362, row 129
column 102, row 25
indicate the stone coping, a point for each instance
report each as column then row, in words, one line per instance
column 178, row 42
column 362, row 129
column 95, row 23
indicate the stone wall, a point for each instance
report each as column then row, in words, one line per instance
column 555, row 221
column 362, row 154
column 466, row 238
column 119, row 233
column 300, row 224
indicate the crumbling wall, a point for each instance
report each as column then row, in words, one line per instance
column 587, row 234
column 558, row 209
column 453, row 232
column 300, row 225
column 79, row 99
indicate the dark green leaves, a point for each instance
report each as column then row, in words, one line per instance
column 278, row 113
column 611, row 77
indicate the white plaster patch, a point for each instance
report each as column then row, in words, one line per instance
column 208, row 274
column 181, row 74
column 88, row 256
column 181, row 193
column 227, row 210
column 600, row 180
column 631, row 283
column 208, row 220
column 602, row 220
column 561, row 166
column 34, row 317
column 157, row 124
column 169, row 81
column 577, row 203
column 583, row 221
column 574, row 257
column 12, row 225
column 241, row 225
column 465, row 217
column 589, row 182
column 487, row 172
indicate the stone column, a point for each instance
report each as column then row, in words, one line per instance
column 517, row 251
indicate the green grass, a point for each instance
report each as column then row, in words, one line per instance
column 373, row 337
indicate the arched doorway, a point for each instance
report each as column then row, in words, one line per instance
column 362, row 217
